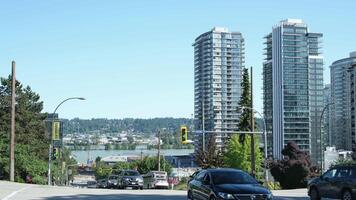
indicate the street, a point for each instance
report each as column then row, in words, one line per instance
column 14, row 191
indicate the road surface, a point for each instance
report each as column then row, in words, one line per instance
column 17, row 191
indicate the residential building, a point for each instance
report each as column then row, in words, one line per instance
column 342, row 73
column 219, row 59
column 293, row 87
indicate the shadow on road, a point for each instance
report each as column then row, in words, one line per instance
column 118, row 196
column 290, row 198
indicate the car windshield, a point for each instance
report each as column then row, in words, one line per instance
column 131, row 173
column 113, row 177
column 232, row 177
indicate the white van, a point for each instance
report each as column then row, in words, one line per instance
column 155, row 180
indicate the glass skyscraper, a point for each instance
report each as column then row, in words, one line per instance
column 293, row 87
column 343, row 83
column 219, row 58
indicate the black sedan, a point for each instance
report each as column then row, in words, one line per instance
column 338, row 183
column 215, row 184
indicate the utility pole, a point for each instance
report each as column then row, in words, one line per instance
column 159, row 149
column 12, row 134
column 203, row 125
column 253, row 162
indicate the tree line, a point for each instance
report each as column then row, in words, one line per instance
column 145, row 126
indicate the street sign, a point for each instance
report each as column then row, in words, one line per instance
column 173, row 180
column 56, row 130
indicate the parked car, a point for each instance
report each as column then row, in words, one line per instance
column 224, row 183
column 102, row 183
column 112, row 181
column 338, row 182
column 130, row 178
column 92, row 184
column 155, row 179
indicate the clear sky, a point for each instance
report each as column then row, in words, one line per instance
column 134, row 58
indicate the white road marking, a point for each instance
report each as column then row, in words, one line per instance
column 15, row 192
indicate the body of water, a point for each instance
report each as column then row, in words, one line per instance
column 82, row 156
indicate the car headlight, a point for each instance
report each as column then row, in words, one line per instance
column 139, row 180
column 225, row 195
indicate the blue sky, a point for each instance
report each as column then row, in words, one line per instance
column 134, row 58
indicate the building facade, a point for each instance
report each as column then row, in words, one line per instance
column 219, row 59
column 342, row 73
column 293, row 87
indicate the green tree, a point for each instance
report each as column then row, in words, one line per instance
column 245, row 101
column 120, row 166
column 31, row 144
column 102, row 171
column 238, row 154
column 151, row 163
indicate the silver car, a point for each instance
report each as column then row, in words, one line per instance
column 130, row 178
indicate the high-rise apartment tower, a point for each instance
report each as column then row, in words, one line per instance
column 293, row 87
column 219, row 59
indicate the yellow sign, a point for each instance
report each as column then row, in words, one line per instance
column 55, row 130
column 184, row 134
column 63, row 167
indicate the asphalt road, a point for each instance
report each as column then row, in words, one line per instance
column 14, row 191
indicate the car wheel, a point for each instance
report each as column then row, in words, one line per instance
column 212, row 198
column 190, row 195
column 314, row 194
column 346, row 195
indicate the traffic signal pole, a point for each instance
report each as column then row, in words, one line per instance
column 49, row 162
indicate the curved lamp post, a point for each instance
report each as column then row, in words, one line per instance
column 321, row 138
column 50, row 146
column 265, row 138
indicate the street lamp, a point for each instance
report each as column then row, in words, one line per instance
column 321, row 140
column 51, row 145
column 265, row 138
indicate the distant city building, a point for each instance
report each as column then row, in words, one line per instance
column 293, row 87
column 343, row 83
column 327, row 116
column 219, row 59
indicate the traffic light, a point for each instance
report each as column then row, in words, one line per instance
column 184, row 134
column 55, row 153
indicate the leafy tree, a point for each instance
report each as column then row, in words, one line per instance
column 210, row 158
column 295, row 169
column 120, row 166
column 31, row 143
column 343, row 162
column 102, row 171
column 151, row 163
column 238, row 154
